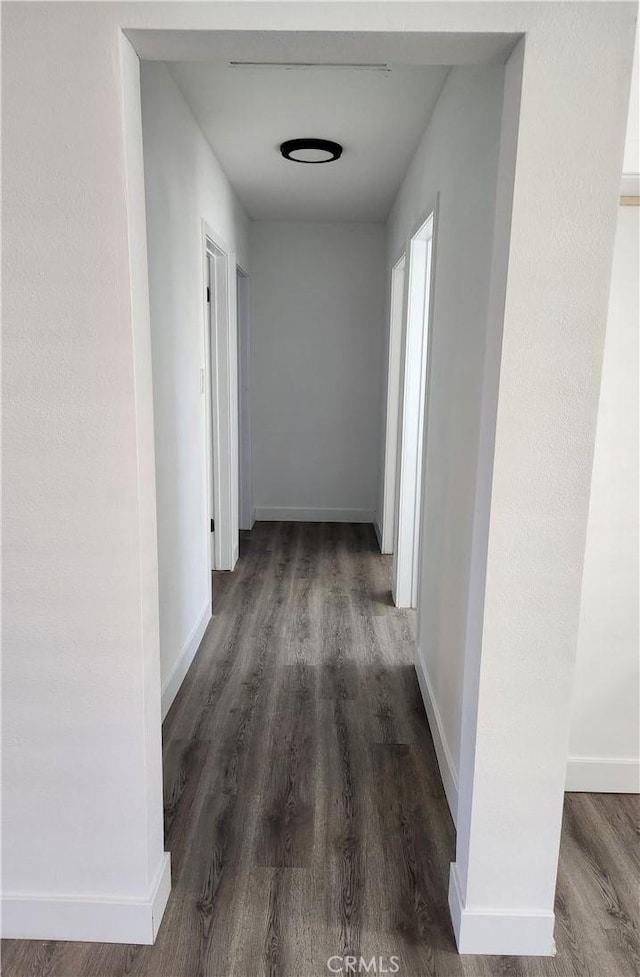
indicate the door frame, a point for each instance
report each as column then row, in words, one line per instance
column 397, row 314
column 219, row 385
column 247, row 515
column 415, row 367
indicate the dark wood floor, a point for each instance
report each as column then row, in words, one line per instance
column 303, row 806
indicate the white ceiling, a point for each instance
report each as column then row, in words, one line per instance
column 378, row 116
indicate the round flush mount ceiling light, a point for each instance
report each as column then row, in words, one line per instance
column 311, row 150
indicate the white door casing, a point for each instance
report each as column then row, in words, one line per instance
column 396, row 328
column 411, row 440
column 221, row 400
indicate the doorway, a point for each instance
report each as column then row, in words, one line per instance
column 246, row 511
column 393, row 405
column 219, row 387
column 414, row 381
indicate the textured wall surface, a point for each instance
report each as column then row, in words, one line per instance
column 316, row 338
column 605, row 716
column 184, row 184
column 518, row 678
column 82, row 797
column 457, row 159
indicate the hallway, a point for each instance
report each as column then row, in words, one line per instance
column 312, row 723
column 304, row 810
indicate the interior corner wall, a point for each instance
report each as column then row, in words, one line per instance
column 184, row 184
column 82, row 836
column 317, row 293
column 603, row 752
column 457, row 158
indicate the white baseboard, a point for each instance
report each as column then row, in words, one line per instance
column 378, row 533
column 385, row 548
column 603, row 775
column 176, row 676
column 283, row 514
column 630, row 186
column 160, row 892
column 526, row 934
column 448, row 771
column 89, row 920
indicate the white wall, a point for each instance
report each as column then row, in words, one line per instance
column 184, row 183
column 519, row 675
column 82, row 833
column 605, row 713
column 457, row 157
column 246, row 510
column 316, row 342
column 513, row 640
column 631, row 164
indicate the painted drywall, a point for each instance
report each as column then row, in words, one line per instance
column 631, row 164
column 529, row 505
column 518, row 677
column 184, row 185
column 378, row 116
column 605, row 714
column 457, row 158
column 73, row 497
column 316, row 344
column 246, row 509
column 82, row 834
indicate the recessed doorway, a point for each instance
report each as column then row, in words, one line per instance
column 218, row 385
column 396, row 323
column 414, row 382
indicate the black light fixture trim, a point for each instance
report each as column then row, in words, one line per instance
column 324, row 145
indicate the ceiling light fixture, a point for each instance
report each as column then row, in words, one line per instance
column 311, row 150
